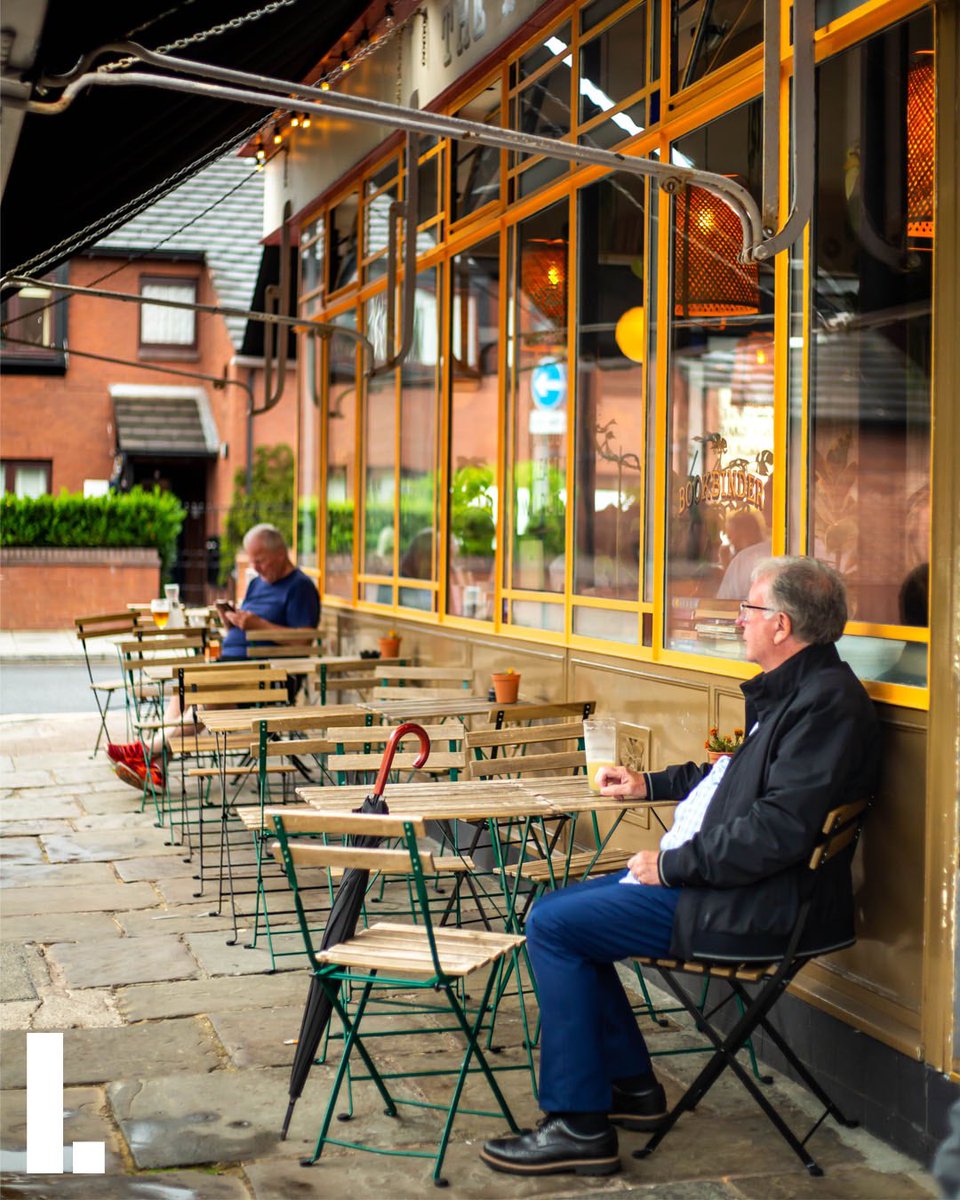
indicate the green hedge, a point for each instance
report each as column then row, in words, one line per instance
column 270, row 502
column 120, row 519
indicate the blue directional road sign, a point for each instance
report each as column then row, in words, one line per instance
column 548, row 384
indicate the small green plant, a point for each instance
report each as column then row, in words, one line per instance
column 117, row 520
column 270, row 500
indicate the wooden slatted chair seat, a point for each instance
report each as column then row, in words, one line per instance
column 241, row 769
column 405, row 948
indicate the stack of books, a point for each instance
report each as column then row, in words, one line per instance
column 716, row 620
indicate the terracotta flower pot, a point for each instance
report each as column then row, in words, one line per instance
column 715, row 755
column 389, row 647
column 506, row 686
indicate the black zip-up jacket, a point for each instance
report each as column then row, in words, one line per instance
column 744, row 874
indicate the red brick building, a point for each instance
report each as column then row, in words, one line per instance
column 99, row 392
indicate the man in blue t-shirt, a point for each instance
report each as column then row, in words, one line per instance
column 281, row 596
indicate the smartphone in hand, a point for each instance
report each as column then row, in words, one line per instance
column 225, row 606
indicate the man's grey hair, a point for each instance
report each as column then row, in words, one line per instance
column 269, row 535
column 811, row 594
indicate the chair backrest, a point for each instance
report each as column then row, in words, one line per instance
column 563, row 710
column 268, row 686
column 104, row 625
column 418, row 693
column 361, row 749
column 841, row 829
column 283, row 643
column 525, row 750
column 303, row 842
column 427, row 676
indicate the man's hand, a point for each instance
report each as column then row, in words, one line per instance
column 245, row 620
column 621, row 783
column 643, row 867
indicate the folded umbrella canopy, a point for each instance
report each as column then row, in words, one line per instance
column 342, row 922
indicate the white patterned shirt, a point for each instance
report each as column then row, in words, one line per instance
column 690, row 812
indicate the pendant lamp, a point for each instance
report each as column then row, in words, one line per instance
column 920, row 145
column 708, row 278
column 543, row 277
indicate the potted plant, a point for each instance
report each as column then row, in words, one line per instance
column 390, row 645
column 722, row 745
column 506, row 686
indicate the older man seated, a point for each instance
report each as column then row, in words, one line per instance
column 280, row 597
column 726, row 881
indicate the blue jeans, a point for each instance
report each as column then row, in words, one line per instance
column 589, row 1034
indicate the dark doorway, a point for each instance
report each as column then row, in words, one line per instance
column 187, row 479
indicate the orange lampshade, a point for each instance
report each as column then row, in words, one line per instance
column 708, row 278
column 920, row 145
column 543, row 277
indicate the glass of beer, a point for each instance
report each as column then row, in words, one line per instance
column 600, row 740
column 160, row 611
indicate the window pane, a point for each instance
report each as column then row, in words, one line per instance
column 418, row 446
column 613, row 65
column 30, row 480
column 343, row 243
column 476, row 169
column 720, row 422
column 539, row 397
column 28, row 318
column 308, row 449
column 707, row 34
column 380, row 467
column 341, row 460
column 870, row 355
column 168, row 326
column 311, row 267
column 474, row 350
column 376, row 231
column 610, row 398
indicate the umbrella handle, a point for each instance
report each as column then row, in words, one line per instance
column 391, row 749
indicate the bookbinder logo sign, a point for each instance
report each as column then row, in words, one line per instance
column 45, row 1113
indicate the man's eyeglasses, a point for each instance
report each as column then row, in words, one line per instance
column 745, row 608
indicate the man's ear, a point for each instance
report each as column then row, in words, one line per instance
column 784, row 629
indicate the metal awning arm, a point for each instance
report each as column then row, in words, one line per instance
column 802, row 108
column 320, row 329
column 278, row 93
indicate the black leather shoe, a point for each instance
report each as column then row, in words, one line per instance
column 641, row 1111
column 553, row 1148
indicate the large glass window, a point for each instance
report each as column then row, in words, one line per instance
column 474, row 429
column 870, row 339
column 613, row 68
column 611, row 349
column 341, row 404
column 342, row 263
column 720, row 424
column 417, row 518
column 163, row 328
column 538, row 383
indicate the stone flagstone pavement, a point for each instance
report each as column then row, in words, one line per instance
column 177, row 1047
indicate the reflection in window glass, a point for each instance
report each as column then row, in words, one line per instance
column 474, row 347
column 311, row 267
column 418, row 447
column 720, row 416
column 539, row 407
column 379, row 440
column 613, row 65
column 610, row 354
column 343, row 243
column 308, row 461
column 707, row 34
column 870, row 353
column 476, row 169
column 341, row 400
column 376, row 231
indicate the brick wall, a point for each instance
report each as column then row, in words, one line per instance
column 46, row 588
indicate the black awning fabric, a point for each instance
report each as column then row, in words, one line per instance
column 163, row 426
column 110, row 146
